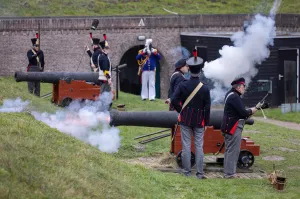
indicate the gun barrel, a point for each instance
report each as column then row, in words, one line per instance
column 53, row 77
column 163, row 119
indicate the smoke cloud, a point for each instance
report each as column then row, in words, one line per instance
column 87, row 121
column 250, row 48
column 16, row 105
column 180, row 53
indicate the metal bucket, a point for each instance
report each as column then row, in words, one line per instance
column 280, row 183
column 295, row 107
column 285, row 108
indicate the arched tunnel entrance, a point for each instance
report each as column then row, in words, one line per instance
column 129, row 79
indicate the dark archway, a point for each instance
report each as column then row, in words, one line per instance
column 129, row 80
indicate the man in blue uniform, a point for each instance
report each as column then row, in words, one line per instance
column 105, row 68
column 149, row 58
column 181, row 68
column 234, row 118
column 194, row 115
column 36, row 64
column 95, row 46
column 97, row 51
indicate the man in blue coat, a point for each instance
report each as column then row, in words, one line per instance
column 193, row 117
column 234, row 118
column 181, row 68
column 149, row 57
column 36, row 64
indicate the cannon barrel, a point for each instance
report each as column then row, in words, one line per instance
column 53, row 77
column 163, row 119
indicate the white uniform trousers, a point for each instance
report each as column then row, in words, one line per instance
column 148, row 85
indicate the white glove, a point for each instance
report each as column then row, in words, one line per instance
column 153, row 50
column 168, row 101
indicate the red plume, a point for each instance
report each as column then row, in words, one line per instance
column 37, row 35
column 104, row 36
column 91, row 35
column 195, row 53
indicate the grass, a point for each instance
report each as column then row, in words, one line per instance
column 276, row 114
column 37, row 161
column 138, row 7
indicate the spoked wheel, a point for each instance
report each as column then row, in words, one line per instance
column 179, row 159
column 66, row 102
column 246, row 159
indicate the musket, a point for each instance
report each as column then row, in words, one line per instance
column 265, row 97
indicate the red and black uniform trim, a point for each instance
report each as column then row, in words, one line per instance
column 234, row 110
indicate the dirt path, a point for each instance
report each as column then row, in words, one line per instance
column 289, row 125
column 165, row 162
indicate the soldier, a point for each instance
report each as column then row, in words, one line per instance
column 234, row 118
column 181, row 68
column 105, row 68
column 97, row 51
column 149, row 57
column 193, row 115
column 36, row 64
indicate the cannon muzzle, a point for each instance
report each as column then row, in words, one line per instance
column 163, row 119
column 53, row 77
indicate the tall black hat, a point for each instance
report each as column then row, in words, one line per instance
column 194, row 63
column 35, row 41
column 96, row 41
column 95, row 24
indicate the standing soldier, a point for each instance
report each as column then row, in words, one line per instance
column 36, row 64
column 148, row 58
column 193, row 115
column 104, row 65
column 97, row 51
column 234, row 118
column 89, row 52
column 181, row 68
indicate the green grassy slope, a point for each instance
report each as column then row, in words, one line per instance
column 37, row 161
column 138, row 7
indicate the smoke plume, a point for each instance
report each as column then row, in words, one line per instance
column 16, row 105
column 87, row 121
column 250, row 48
column 180, row 53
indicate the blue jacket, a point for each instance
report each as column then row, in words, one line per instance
column 234, row 110
column 151, row 62
column 197, row 111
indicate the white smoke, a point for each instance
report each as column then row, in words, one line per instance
column 87, row 121
column 275, row 8
column 250, row 48
column 17, row 105
column 180, row 52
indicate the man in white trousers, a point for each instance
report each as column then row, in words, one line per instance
column 148, row 58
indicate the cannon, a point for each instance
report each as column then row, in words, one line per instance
column 55, row 77
column 213, row 138
column 163, row 119
column 67, row 86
